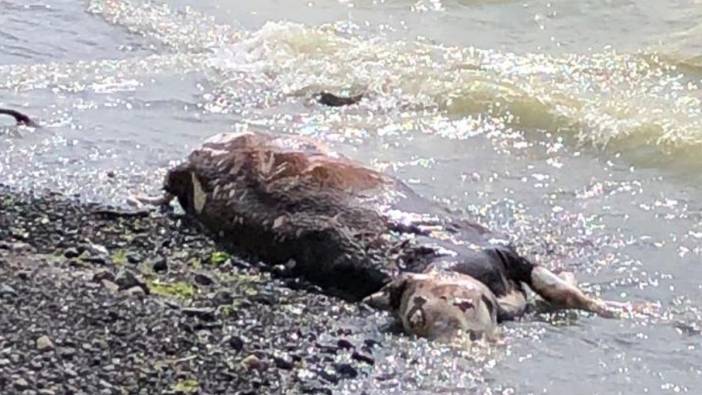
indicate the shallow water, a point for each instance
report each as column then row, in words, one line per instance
column 574, row 126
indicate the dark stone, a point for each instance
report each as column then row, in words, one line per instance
column 6, row 290
column 346, row 371
column 203, row 313
column 329, row 374
column 326, row 348
column 76, row 263
column 134, row 258
column 235, row 342
column 316, row 390
column 363, row 357
column 97, row 259
column 283, row 361
column 264, row 298
column 222, row 298
column 370, row 343
column 159, row 264
column 24, row 275
column 332, row 100
column 71, row 252
column 203, row 279
column 126, row 279
column 66, row 352
column 344, row 344
column 103, row 274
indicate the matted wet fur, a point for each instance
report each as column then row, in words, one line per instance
column 282, row 199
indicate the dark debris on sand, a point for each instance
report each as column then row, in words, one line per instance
column 98, row 301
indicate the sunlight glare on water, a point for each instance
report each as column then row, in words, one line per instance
column 585, row 158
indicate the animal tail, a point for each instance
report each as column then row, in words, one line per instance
column 20, row 118
column 332, row 100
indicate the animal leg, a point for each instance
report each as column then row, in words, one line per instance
column 19, row 117
column 562, row 292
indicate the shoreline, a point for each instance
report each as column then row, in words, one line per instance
column 98, row 301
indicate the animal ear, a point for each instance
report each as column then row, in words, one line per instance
column 379, row 300
column 390, row 296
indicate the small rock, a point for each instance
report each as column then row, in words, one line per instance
column 346, row 371
column 97, row 259
column 6, row 290
column 71, row 253
column 252, row 362
column 363, row 357
column 97, row 249
column 20, row 247
column 234, row 342
column 24, row 275
column 222, row 298
column 329, row 374
column 76, row 263
column 283, row 361
column 264, row 298
column 66, row 352
column 110, row 286
column 103, row 274
column 44, row 344
column 126, row 279
column 344, row 344
column 4, row 362
column 136, row 292
column 46, row 391
column 105, row 384
column 203, row 279
column 307, row 389
column 370, row 343
column 4, row 245
column 159, row 264
column 70, row 372
column 203, row 313
column 133, row 258
column 21, row 384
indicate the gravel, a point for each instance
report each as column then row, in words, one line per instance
column 95, row 300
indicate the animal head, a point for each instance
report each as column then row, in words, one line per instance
column 439, row 305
